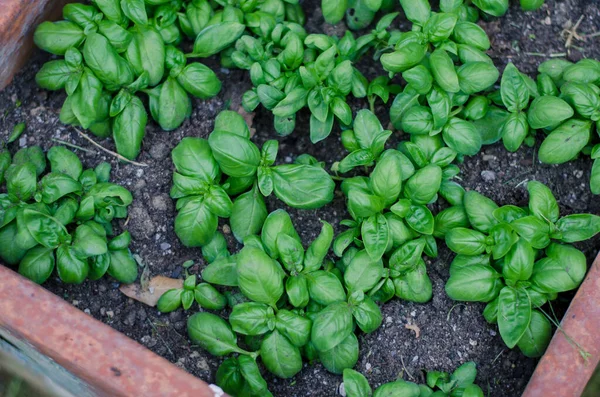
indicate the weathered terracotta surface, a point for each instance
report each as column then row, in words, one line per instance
column 103, row 357
column 562, row 371
column 18, row 20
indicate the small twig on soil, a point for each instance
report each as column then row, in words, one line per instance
column 452, row 308
column 117, row 155
column 522, row 182
column 551, row 55
column 73, row 145
column 572, row 33
column 405, row 369
column 498, row 356
column 160, row 337
column 587, row 36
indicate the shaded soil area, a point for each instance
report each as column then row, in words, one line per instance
column 449, row 333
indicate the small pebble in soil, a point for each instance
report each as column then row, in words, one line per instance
column 488, row 175
column 226, row 229
column 165, row 246
column 160, row 202
column 110, row 314
column 342, row 390
column 159, row 151
column 472, row 342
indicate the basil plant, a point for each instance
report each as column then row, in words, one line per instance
column 564, row 104
column 62, row 218
column 459, row 383
column 391, row 222
column 227, row 176
column 291, row 70
column 295, row 304
column 444, row 64
column 113, row 52
column 516, row 259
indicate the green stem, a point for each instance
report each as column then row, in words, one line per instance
column 584, row 354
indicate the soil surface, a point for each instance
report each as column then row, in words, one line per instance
column 449, row 333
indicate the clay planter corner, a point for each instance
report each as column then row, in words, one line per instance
column 563, row 371
column 110, row 363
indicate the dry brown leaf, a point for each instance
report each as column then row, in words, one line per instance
column 414, row 328
column 156, row 287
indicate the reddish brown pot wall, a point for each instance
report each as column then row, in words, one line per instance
column 562, row 371
column 94, row 352
column 18, row 20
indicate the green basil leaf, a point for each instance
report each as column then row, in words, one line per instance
column 248, row 214
column 37, row 264
column 355, row 384
column 318, row 249
column 537, row 336
column 135, row 10
column 534, row 230
column 513, row 88
column 169, row 301
column 331, row 326
column 518, row 263
column 471, row 34
column 367, row 315
column 222, row 272
column 279, row 356
column 259, row 277
column 129, row 128
column 466, row 241
column 474, row 283
column 170, row 105
column 565, row 142
column 414, row 285
column 363, row 272
column 548, row 111
column 212, row 333
column 542, row 202
column 514, row 315
column 562, row 270
column 480, row 211
column 277, row 222
column 443, row 70
column 578, row 227
column 195, row 224
column 514, row 131
column 71, row 265
column 449, row 219
column 57, row 37
column 302, row 186
column 208, row 297
column 477, row 76
column 252, row 318
column 46, row 230
column 325, row 288
column 495, row 8
column 423, row 186
column 462, row 136
column 88, row 243
column 146, row 53
column 375, row 235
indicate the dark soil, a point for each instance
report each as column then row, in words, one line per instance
column 450, row 333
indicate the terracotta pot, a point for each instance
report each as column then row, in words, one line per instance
column 18, row 20
column 563, row 371
column 105, row 359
